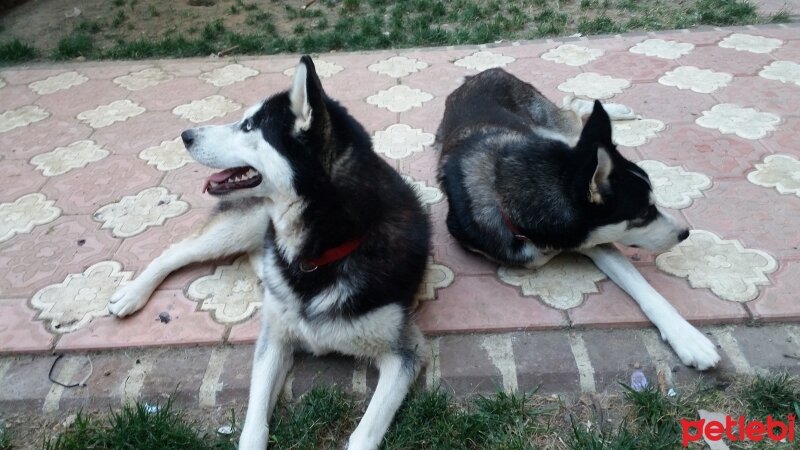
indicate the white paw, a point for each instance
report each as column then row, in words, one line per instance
column 128, row 299
column 620, row 112
column 691, row 345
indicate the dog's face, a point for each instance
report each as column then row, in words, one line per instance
column 260, row 154
column 621, row 195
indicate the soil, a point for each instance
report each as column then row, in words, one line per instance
column 42, row 23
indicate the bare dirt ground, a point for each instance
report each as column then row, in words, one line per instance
column 43, row 23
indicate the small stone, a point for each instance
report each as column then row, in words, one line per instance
column 81, row 242
column 69, row 420
column 164, row 317
column 675, row 369
column 225, row 430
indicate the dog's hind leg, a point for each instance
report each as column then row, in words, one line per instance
column 692, row 346
column 273, row 359
column 398, row 370
column 223, row 235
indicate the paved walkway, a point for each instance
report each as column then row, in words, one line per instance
column 96, row 184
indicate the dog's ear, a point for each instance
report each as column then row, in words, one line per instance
column 599, row 182
column 597, row 130
column 306, row 95
column 596, row 141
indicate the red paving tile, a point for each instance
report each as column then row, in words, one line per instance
column 49, row 133
column 18, row 178
column 144, row 329
column 703, row 150
column 19, row 333
column 637, row 68
column 51, row 252
column 764, row 95
column 482, row 303
column 665, row 103
column 779, row 303
column 476, row 300
column 718, row 59
column 761, row 218
column 84, row 190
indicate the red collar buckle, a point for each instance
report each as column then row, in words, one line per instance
column 331, row 255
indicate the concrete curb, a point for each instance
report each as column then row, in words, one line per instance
column 564, row 362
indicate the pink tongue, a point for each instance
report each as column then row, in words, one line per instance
column 219, row 177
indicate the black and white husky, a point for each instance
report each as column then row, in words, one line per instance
column 526, row 180
column 338, row 238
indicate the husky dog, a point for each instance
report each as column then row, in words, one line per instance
column 338, row 238
column 526, row 180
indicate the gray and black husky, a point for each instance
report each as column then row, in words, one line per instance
column 338, row 238
column 526, row 180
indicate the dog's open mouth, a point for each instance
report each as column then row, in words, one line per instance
column 232, row 179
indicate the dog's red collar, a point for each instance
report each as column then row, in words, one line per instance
column 331, row 255
column 514, row 230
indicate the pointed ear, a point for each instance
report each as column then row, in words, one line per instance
column 597, row 130
column 599, row 182
column 306, row 95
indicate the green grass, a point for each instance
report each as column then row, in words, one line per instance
column 76, row 44
column 777, row 395
column 275, row 27
column 133, row 427
column 16, row 51
column 432, row 420
column 5, row 438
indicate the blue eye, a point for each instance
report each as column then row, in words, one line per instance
column 247, row 126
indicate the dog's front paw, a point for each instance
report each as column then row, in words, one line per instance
column 128, row 299
column 617, row 111
column 691, row 345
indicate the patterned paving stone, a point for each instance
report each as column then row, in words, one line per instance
column 25, row 213
column 19, row 333
column 636, row 67
column 727, row 60
column 474, row 303
column 171, row 93
column 666, row 103
column 19, row 178
column 779, row 302
column 49, row 253
column 83, row 97
column 50, row 133
column 765, row 95
column 704, row 150
column 136, row 252
column 702, row 155
column 144, row 329
column 82, row 191
column 759, row 212
column 72, row 304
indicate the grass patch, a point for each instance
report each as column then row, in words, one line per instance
column 431, row 420
column 341, row 25
column 777, row 396
column 77, row 44
column 16, row 51
column 317, row 421
column 133, row 427
column 5, row 438
column 325, row 417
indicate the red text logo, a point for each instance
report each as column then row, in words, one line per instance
column 738, row 430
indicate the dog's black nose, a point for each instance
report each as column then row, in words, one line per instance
column 188, row 138
column 683, row 235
